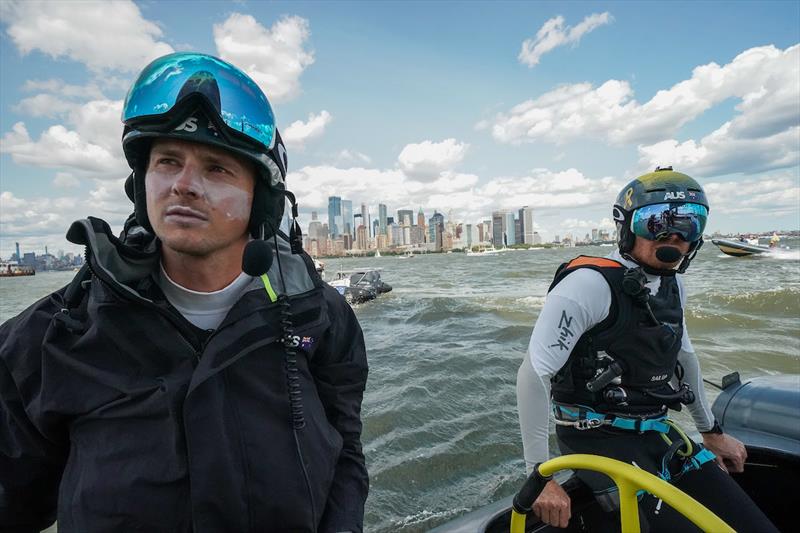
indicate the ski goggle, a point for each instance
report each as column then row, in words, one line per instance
column 658, row 221
column 239, row 102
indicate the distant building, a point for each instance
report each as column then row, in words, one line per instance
column 510, row 229
column 503, row 230
column 365, row 218
column 394, row 234
column 498, row 221
column 335, row 226
column 361, row 238
column 405, row 217
column 518, row 231
column 435, row 230
column 382, row 219
column 347, row 218
column 418, row 234
column 526, row 216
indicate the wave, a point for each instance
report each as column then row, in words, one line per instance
column 779, row 301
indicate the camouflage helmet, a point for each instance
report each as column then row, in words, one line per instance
column 663, row 185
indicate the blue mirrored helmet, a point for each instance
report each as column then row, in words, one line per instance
column 236, row 98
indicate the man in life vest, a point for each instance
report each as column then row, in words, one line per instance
column 611, row 350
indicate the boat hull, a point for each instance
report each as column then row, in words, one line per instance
column 737, row 248
column 760, row 412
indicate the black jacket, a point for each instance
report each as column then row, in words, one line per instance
column 120, row 416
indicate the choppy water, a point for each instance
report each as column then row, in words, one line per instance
column 440, row 426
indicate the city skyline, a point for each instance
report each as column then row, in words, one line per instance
column 555, row 107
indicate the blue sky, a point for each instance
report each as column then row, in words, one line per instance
column 464, row 107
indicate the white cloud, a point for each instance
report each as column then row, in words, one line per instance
column 427, row 159
column 545, row 190
column 722, row 152
column 771, row 195
column 352, row 156
column 55, row 97
column 108, row 35
column 275, row 57
column 58, row 147
column 98, row 121
column 65, row 180
column 763, row 78
column 43, row 105
column 553, row 34
column 298, row 132
column 40, row 220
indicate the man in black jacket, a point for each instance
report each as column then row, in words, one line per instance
column 166, row 389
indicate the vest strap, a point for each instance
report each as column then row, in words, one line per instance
column 581, row 418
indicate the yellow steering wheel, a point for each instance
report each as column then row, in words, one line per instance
column 629, row 481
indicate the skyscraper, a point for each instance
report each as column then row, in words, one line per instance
column 335, row 216
column 382, row 219
column 365, row 218
column 347, row 218
column 436, row 228
column 526, row 216
column 511, row 235
column 405, row 217
column 498, row 227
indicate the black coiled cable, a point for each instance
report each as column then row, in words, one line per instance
column 289, row 345
column 292, row 373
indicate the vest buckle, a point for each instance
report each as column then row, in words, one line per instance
column 588, row 423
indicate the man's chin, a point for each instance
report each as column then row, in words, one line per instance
column 184, row 244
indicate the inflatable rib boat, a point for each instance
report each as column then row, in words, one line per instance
column 763, row 413
column 739, row 248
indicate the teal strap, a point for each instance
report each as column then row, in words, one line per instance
column 700, row 458
column 631, row 424
column 635, row 424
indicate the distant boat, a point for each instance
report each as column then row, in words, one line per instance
column 377, row 253
column 13, row 270
column 319, row 266
column 360, row 285
column 485, row 251
column 739, row 248
column 408, row 255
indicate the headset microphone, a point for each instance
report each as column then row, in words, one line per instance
column 257, row 258
column 668, row 254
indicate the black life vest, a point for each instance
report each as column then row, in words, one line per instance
column 647, row 352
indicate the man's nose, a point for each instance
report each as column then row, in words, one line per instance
column 188, row 182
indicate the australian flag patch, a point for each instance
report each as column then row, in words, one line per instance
column 306, row 343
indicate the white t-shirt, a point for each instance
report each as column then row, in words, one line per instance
column 579, row 302
column 206, row 310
